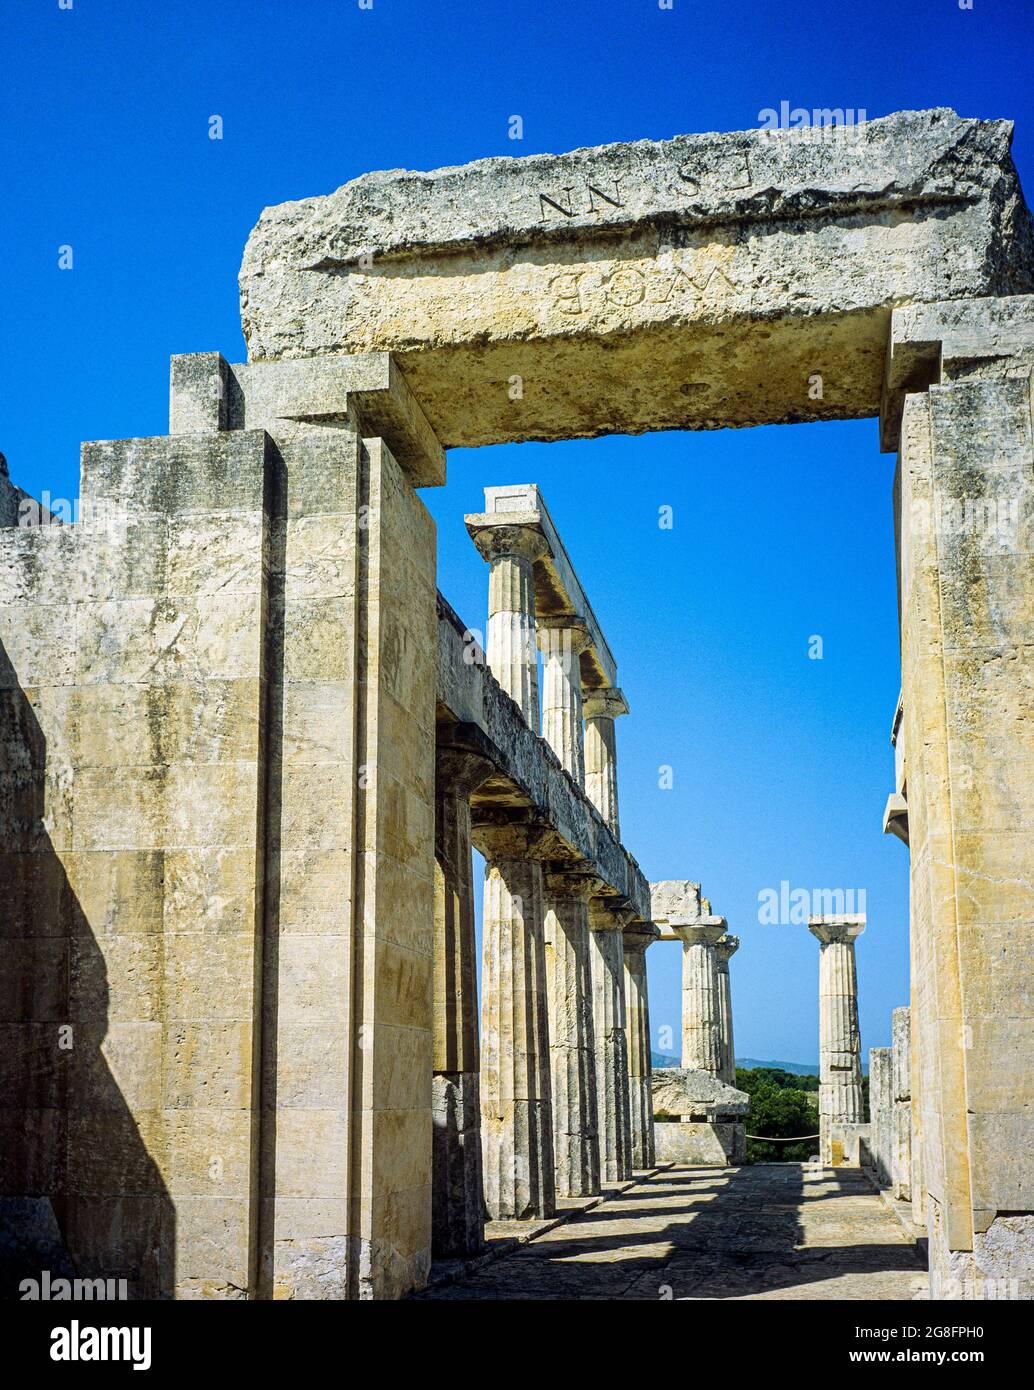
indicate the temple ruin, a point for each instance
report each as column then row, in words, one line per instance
column 246, row 747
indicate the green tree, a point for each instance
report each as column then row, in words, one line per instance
column 780, row 1106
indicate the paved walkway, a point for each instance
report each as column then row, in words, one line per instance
column 780, row 1230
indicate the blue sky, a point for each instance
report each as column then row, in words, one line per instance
column 781, row 764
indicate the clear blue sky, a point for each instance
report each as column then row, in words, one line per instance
column 781, row 764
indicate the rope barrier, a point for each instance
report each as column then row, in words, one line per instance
column 793, row 1139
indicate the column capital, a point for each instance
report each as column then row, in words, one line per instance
column 608, row 703
column 727, row 947
column 638, row 936
column 571, row 881
column 460, row 770
column 580, row 636
column 610, row 914
column 836, row 929
column 705, row 931
column 495, row 542
column 498, row 835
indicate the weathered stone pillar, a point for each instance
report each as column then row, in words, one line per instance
column 572, row 1036
column 637, row 937
column 840, row 1065
column 701, row 994
column 512, row 655
column 725, row 950
column 457, row 1202
column 958, row 408
column 881, row 1112
column 601, row 708
column 901, row 1154
column 607, row 918
column 516, row 1109
column 562, row 641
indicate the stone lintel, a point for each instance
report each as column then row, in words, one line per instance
column 208, row 394
column 646, row 270
column 558, row 591
column 831, row 929
column 933, row 343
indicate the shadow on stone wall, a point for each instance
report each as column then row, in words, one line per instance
column 80, row 1194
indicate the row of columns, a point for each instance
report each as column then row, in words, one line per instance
column 556, row 1101
column 578, row 727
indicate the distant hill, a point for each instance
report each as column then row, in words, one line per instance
column 658, row 1059
column 797, row 1068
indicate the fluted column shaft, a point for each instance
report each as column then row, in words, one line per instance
column 512, row 653
column 562, row 642
column 457, row 1204
column 840, row 1059
column 600, row 709
column 516, row 1109
column 572, row 1035
column 701, row 997
column 608, row 994
column 726, row 948
column 637, row 937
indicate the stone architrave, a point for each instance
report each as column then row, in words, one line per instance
column 701, row 994
column 516, row 1090
column 637, row 937
column 607, row 919
column 457, row 1202
column 572, row 1036
column 840, row 1065
column 601, row 708
column 726, row 949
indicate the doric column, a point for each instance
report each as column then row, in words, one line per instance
column 572, row 1046
column 840, row 1061
column 726, row 949
column 512, row 656
column 601, row 708
column 701, row 994
column 881, row 1113
column 607, row 918
column 457, row 1203
column 562, row 641
column 637, row 937
column 516, row 1109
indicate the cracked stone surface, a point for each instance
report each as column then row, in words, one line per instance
column 785, row 1230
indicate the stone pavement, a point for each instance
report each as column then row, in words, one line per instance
column 780, row 1230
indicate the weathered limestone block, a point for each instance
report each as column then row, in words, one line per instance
column 901, row 1169
column 133, row 743
column 711, row 1129
column 645, row 269
column 881, row 1114
column 572, row 1033
column 965, row 501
